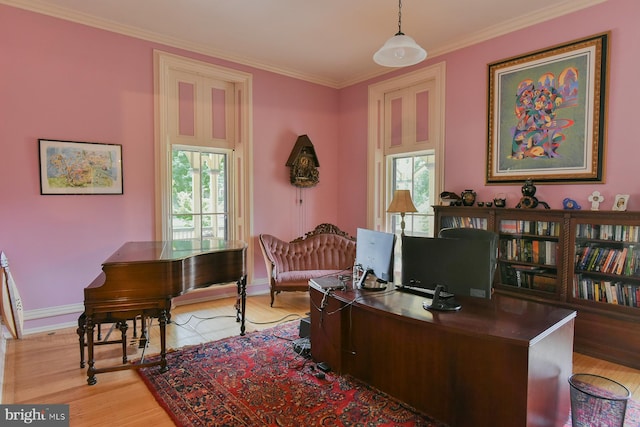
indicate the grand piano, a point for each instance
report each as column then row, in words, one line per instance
column 139, row 280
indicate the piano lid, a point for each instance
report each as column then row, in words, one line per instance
column 132, row 252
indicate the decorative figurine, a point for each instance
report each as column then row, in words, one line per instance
column 528, row 199
column 449, row 198
column 500, row 200
column 595, row 198
column 468, row 197
column 570, row 204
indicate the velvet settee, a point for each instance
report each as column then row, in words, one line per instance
column 324, row 251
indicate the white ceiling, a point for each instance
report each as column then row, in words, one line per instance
column 330, row 42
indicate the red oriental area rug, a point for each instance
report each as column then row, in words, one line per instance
column 259, row 380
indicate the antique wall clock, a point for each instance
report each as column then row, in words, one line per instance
column 303, row 163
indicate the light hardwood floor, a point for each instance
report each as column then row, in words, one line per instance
column 44, row 368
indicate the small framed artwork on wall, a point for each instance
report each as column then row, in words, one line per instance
column 69, row 167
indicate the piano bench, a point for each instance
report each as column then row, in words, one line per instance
column 98, row 340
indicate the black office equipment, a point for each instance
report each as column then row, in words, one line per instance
column 463, row 267
column 467, row 233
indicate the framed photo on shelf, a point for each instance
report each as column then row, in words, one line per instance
column 546, row 114
column 620, row 202
column 68, row 167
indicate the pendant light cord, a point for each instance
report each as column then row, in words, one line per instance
column 400, row 33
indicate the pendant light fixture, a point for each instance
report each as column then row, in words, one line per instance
column 400, row 50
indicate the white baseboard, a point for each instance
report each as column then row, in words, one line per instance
column 77, row 309
column 193, row 297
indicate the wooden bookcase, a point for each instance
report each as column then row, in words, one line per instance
column 588, row 261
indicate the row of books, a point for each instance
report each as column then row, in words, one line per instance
column 540, row 228
column 621, row 233
column 529, row 250
column 466, row 222
column 619, row 293
column 620, row 261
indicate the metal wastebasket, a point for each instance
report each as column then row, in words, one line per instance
column 597, row 401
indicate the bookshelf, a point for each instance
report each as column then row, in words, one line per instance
column 607, row 265
column 463, row 216
column 529, row 255
column 588, row 261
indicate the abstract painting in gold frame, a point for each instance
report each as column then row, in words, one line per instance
column 546, row 114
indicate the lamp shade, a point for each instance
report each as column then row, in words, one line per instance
column 400, row 51
column 401, row 202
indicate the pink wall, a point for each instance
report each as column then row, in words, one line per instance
column 65, row 81
column 466, row 111
column 71, row 82
column 466, row 98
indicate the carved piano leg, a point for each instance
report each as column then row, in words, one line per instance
column 91, row 374
column 122, row 325
column 162, row 320
column 143, row 332
column 82, row 329
column 135, row 332
column 241, row 303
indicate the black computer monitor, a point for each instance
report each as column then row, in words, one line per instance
column 462, row 266
column 374, row 253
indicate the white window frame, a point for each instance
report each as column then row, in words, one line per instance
column 378, row 188
column 241, row 162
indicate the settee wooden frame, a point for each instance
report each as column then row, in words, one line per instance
column 323, row 251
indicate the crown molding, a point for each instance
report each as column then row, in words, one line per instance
column 115, row 27
column 559, row 9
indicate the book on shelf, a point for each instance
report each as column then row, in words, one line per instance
column 551, row 249
column 619, row 232
column 607, row 262
column 536, row 228
column 535, row 251
column 545, row 282
column 621, row 262
column 595, row 253
column 582, row 256
column 509, row 226
column 617, row 293
column 629, row 266
column 464, row 222
column 613, row 288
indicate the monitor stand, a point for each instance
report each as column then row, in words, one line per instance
column 440, row 304
column 378, row 286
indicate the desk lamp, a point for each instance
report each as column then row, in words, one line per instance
column 401, row 204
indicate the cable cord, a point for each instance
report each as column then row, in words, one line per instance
column 291, row 316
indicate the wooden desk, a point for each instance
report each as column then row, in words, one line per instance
column 499, row 362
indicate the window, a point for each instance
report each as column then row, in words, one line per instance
column 406, row 148
column 199, row 193
column 203, row 146
column 414, row 172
